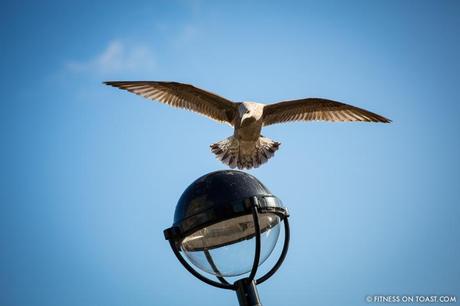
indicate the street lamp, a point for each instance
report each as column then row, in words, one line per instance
column 227, row 224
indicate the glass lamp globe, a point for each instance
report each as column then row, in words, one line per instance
column 227, row 248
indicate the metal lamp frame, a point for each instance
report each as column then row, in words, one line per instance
column 245, row 287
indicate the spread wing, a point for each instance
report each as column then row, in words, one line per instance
column 317, row 109
column 183, row 96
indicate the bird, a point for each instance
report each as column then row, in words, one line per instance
column 247, row 148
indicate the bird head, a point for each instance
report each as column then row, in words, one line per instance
column 250, row 112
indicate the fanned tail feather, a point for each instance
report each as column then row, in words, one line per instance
column 244, row 154
column 227, row 151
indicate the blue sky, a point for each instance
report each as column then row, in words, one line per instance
column 91, row 175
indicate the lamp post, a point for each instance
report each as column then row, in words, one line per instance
column 227, row 224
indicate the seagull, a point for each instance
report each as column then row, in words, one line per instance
column 247, row 148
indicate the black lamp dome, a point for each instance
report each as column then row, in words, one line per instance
column 217, row 188
column 218, row 196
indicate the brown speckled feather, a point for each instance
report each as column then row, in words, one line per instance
column 316, row 109
column 183, row 96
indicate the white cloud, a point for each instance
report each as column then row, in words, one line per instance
column 117, row 57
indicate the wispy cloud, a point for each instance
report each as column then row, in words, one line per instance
column 117, row 57
column 187, row 34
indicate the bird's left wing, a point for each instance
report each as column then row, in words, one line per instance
column 317, row 109
column 183, row 96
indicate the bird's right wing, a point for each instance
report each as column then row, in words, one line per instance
column 317, row 109
column 183, row 96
